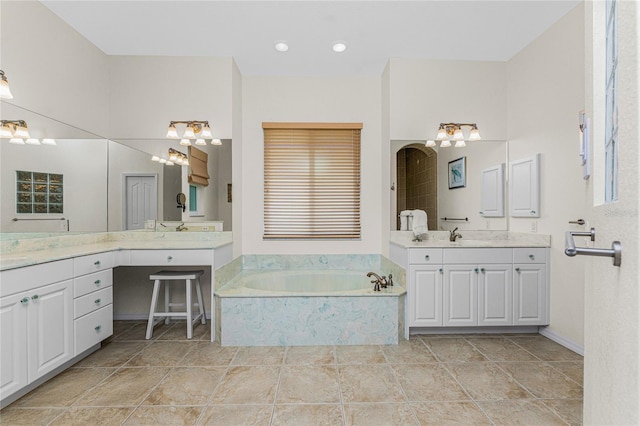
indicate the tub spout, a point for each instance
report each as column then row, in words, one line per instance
column 380, row 281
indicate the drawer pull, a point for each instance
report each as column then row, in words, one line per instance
column 482, row 270
column 441, row 270
column 169, row 258
column 25, row 300
column 517, row 269
column 97, row 328
column 426, row 257
column 35, row 297
column 97, row 301
column 97, row 263
column 532, row 257
column 476, row 270
column 97, row 282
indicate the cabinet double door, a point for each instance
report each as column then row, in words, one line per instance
column 477, row 295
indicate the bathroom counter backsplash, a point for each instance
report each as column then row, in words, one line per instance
column 471, row 239
column 18, row 253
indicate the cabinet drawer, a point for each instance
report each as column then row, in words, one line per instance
column 171, row 257
column 26, row 279
column 93, row 328
column 425, row 256
column 92, row 282
column 93, row 263
column 478, row 255
column 92, row 301
column 530, row 255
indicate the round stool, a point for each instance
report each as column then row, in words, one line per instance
column 166, row 277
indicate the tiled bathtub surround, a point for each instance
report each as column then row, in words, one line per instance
column 245, row 318
column 424, row 381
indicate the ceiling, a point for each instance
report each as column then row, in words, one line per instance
column 373, row 31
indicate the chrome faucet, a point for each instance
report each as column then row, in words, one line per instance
column 380, row 281
column 453, row 235
column 181, row 227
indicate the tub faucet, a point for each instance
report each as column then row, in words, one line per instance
column 453, row 235
column 181, row 227
column 380, row 281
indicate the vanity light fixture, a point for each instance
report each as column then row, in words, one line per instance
column 17, row 132
column 216, row 142
column 5, row 92
column 177, row 157
column 448, row 131
column 195, row 129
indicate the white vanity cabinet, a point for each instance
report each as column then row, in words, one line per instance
column 531, row 293
column 36, row 316
column 425, row 287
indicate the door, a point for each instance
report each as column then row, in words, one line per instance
column 425, row 296
column 529, row 286
column 50, row 328
column 141, row 200
column 524, row 196
column 13, row 352
column 460, row 300
column 495, row 295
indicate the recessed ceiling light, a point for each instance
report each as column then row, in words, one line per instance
column 281, row 46
column 339, row 47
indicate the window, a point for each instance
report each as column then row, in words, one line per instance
column 312, row 180
column 611, row 109
column 196, row 196
column 39, row 192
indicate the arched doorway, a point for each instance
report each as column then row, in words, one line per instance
column 417, row 182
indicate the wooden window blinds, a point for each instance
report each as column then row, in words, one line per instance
column 198, row 174
column 311, row 180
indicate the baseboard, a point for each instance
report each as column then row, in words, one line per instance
column 567, row 343
column 473, row 330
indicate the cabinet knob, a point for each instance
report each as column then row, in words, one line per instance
column 35, row 297
column 441, row 270
column 97, row 282
column 517, row 269
column 25, row 300
column 97, row 327
column 532, row 257
column 97, row 263
column 533, row 212
column 482, row 270
column 426, row 257
column 169, row 258
column 97, row 301
column 476, row 270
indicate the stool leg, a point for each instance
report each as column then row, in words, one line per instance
column 189, row 317
column 167, row 299
column 152, row 310
column 200, row 301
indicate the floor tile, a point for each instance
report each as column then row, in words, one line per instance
column 126, row 387
column 139, row 331
column 542, row 380
column 178, row 331
column 317, row 355
column 306, row 414
column 81, row 416
column 369, row 383
column 247, row 385
column 570, row 410
column 357, row 354
column 308, row 384
column 408, row 352
column 448, row 413
column 186, row 386
column 454, row 350
column 259, row 355
column 428, row 382
column 572, row 369
column 28, row 416
column 65, row 388
column 119, row 327
column 546, row 349
column 159, row 354
column 208, row 354
column 246, row 415
column 501, row 349
column 519, row 412
column 378, row 414
column 486, row 381
column 156, row 416
column 113, row 354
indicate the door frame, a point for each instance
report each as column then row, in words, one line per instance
column 124, row 176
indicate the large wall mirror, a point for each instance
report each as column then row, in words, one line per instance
column 420, row 180
column 89, row 174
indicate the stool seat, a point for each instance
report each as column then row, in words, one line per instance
column 166, row 277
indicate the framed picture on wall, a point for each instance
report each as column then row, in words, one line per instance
column 458, row 173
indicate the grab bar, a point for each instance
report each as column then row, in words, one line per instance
column 571, row 250
column 451, row 219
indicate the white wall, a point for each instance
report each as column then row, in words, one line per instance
column 236, row 150
column 545, row 83
column 83, row 164
column 51, row 68
column 309, row 99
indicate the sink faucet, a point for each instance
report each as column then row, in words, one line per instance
column 453, row 235
column 181, row 227
column 380, row 281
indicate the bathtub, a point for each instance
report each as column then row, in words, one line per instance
column 296, row 305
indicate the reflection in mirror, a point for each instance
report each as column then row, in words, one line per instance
column 419, row 180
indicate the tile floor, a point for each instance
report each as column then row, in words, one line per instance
column 439, row 380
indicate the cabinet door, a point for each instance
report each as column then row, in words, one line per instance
column 13, row 348
column 425, row 296
column 530, row 294
column 524, row 194
column 50, row 328
column 495, row 295
column 460, row 295
column 493, row 192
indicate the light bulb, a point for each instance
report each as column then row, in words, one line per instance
column 21, row 132
column 216, row 142
column 16, row 141
column 5, row 92
column 163, row 161
column 430, row 144
column 206, row 132
column 281, row 46
column 201, row 141
column 442, row 134
column 48, row 141
column 339, row 47
column 173, row 156
column 32, row 141
column 6, row 132
column 457, row 134
column 475, row 134
column 155, row 158
column 179, row 161
column 172, row 132
column 460, row 144
column 445, row 144
column 185, row 142
column 188, row 133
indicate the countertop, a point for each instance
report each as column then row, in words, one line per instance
column 19, row 253
column 471, row 239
